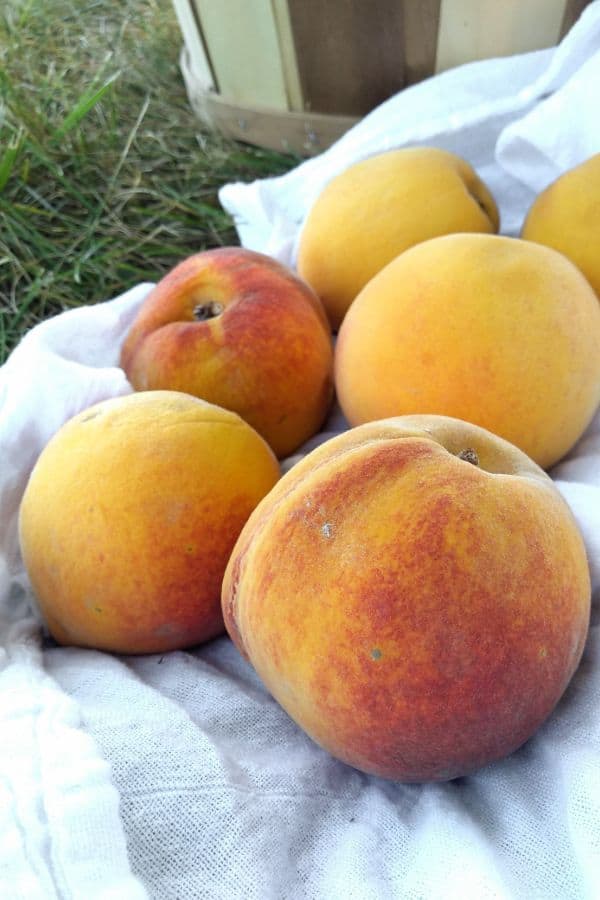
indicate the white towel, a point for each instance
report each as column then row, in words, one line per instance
column 178, row 776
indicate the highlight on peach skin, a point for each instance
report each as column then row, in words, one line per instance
column 415, row 593
column 129, row 518
column 242, row 331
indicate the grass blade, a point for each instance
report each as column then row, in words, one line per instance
column 82, row 107
column 9, row 157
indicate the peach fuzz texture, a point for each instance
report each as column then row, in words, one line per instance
column 417, row 615
column 566, row 216
column 130, row 515
column 267, row 356
column 498, row 331
column 377, row 208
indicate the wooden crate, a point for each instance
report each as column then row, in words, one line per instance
column 294, row 75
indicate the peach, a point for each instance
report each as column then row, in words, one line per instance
column 498, row 331
column 380, row 207
column 566, row 216
column 415, row 593
column 240, row 330
column 130, row 515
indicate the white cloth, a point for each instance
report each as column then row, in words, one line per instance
column 177, row 776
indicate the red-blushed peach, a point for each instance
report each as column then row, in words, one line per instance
column 130, row 515
column 415, row 593
column 381, row 206
column 238, row 329
column 498, row 331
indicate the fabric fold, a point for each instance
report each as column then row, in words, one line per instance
column 178, row 776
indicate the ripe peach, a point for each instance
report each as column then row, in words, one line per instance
column 499, row 331
column 240, row 330
column 380, row 207
column 130, row 515
column 415, row 593
column 566, row 216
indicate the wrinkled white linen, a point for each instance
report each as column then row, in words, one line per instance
column 177, row 776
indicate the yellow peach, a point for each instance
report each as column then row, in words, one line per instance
column 502, row 332
column 130, row 515
column 566, row 216
column 415, row 593
column 378, row 208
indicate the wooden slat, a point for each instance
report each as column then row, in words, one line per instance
column 573, row 9
column 242, row 42
column 306, row 134
column 303, row 133
column 192, row 36
column 287, row 51
column 349, row 53
column 421, row 21
column 480, row 29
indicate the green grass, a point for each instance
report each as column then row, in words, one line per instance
column 107, row 178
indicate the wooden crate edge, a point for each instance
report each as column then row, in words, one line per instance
column 302, row 133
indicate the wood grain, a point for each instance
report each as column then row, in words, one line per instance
column 350, row 53
column 421, row 22
column 243, row 47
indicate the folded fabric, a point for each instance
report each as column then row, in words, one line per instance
column 560, row 132
column 178, row 776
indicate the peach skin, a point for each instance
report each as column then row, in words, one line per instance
column 130, row 515
column 415, row 593
column 381, row 206
column 566, row 216
column 498, row 331
column 240, row 330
